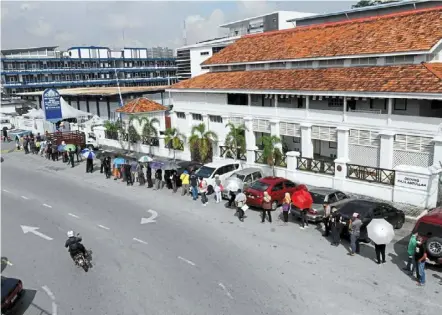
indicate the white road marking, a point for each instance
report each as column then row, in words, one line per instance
column 48, row 206
column 187, row 261
column 31, row 229
column 7, row 191
column 152, row 217
column 139, row 241
column 103, row 227
column 73, row 215
column 52, row 297
column 24, row 197
column 225, row 289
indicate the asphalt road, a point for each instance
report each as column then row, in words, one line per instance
column 188, row 260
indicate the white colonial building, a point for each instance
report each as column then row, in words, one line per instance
column 357, row 103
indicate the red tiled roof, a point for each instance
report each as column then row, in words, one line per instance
column 141, row 105
column 401, row 79
column 435, row 68
column 401, row 32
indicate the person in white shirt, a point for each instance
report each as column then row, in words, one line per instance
column 203, row 191
column 240, row 201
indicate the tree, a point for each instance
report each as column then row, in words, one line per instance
column 236, row 140
column 174, row 139
column 271, row 153
column 112, row 129
column 149, row 130
column 200, row 143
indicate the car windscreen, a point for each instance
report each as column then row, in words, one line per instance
column 362, row 208
column 205, row 172
column 240, row 177
column 317, row 198
column 258, row 185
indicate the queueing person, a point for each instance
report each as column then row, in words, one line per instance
column 266, row 207
column 71, row 157
column 355, row 227
column 421, row 257
column 286, row 203
column 194, row 185
column 107, row 166
column 335, row 225
column 203, row 191
column 326, row 220
column 380, row 253
column 149, row 177
column 174, row 179
column 411, row 250
column 185, row 181
column 158, row 179
column 140, row 174
column 240, row 201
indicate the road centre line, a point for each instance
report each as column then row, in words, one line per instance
column 46, row 205
column 52, row 297
column 187, row 261
column 139, row 241
column 73, row 215
column 24, row 197
column 225, row 289
column 103, row 227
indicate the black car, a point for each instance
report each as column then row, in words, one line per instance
column 369, row 210
column 12, row 291
column 187, row 166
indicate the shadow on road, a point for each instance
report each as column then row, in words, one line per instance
column 26, row 303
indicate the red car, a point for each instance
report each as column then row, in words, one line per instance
column 429, row 227
column 275, row 186
column 12, row 291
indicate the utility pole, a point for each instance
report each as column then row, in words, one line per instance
column 185, row 34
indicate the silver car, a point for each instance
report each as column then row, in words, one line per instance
column 320, row 196
column 241, row 180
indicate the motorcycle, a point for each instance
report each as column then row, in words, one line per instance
column 80, row 261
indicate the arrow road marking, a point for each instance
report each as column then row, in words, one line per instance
column 24, row 197
column 151, row 219
column 74, row 216
column 187, row 261
column 30, row 229
column 48, row 206
column 52, row 297
column 103, row 227
column 139, row 241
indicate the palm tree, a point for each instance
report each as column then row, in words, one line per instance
column 173, row 139
column 271, row 153
column 112, row 129
column 149, row 130
column 236, row 140
column 201, row 142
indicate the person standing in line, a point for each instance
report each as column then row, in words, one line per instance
column 128, row 170
column 102, row 164
column 266, row 207
column 335, row 224
column 327, row 212
column 158, row 179
column 78, row 152
column 355, row 227
column 380, row 252
column 133, row 171
column 149, row 176
column 421, row 257
column 5, row 134
column 26, row 145
column 89, row 165
column 194, row 185
column 54, row 152
column 240, row 201
column 203, row 191
column 411, row 250
column 184, row 182
column 218, row 189
column 304, row 220
column 174, row 179
column 286, row 204
column 107, row 167
column 71, row 157
column 140, row 174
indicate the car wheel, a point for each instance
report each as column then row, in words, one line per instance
column 399, row 224
column 434, row 247
column 274, row 205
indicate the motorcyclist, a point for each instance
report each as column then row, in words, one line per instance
column 73, row 243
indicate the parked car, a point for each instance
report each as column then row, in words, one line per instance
column 242, row 179
column 368, row 210
column 429, row 227
column 275, row 186
column 319, row 196
column 187, row 165
column 222, row 168
column 12, row 291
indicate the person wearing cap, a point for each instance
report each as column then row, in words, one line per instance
column 355, row 232
column 185, row 182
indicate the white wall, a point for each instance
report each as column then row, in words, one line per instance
column 196, row 59
column 287, row 15
column 74, row 53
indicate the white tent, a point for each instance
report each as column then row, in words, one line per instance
column 67, row 111
column 35, row 114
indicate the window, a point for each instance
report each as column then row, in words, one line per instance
column 400, row 104
column 435, row 104
column 277, row 65
column 257, row 66
column 220, row 68
column 278, row 187
column 239, row 68
column 237, row 99
column 22, row 66
column 197, row 117
column 289, row 184
column 335, row 102
column 302, row 64
column 363, row 61
column 204, row 53
column 331, row 62
column 341, row 195
column 257, row 175
column 399, row 59
column 216, row 119
column 248, row 179
column 77, row 77
column 378, row 213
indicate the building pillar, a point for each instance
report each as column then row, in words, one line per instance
column 390, row 110
column 87, row 104
column 307, row 106
column 437, row 153
column 274, row 131
column 40, row 102
column 108, row 108
column 78, row 103
column 386, row 149
column 250, row 140
column 342, row 135
column 188, row 133
column 276, row 108
column 292, row 161
column 306, row 140
column 98, row 107
column 344, row 107
column 206, row 121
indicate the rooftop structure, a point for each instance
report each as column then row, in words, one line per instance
column 102, row 91
column 141, row 105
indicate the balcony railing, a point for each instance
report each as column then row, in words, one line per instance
column 152, row 141
column 180, row 147
column 228, row 153
column 371, row 174
column 315, row 165
column 260, row 159
column 112, row 135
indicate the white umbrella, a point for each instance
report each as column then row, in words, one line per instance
column 233, row 184
column 380, row 231
column 145, row 159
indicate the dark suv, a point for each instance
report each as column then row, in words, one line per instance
column 429, row 227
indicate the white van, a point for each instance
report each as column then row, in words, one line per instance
column 222, row 168
column 6, row 122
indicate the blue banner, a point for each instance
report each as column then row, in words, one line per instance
column 52, row 105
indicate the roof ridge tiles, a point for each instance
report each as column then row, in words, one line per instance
column 350, row 21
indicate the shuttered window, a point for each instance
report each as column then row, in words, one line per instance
column 324, row 133
column 261, row 125
column 236, row 120
column 413, row 144
column 366, row 138
column 289, row 129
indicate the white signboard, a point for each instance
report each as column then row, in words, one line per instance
column 411, row 181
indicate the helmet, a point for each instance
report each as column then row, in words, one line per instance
column 70, row 233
